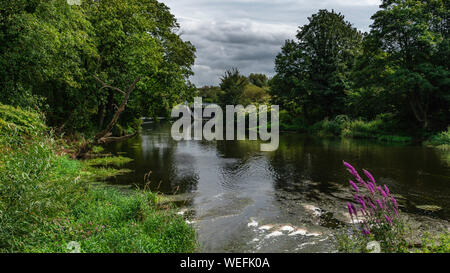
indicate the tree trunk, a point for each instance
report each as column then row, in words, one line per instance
column 104, row 136
column 420, row 113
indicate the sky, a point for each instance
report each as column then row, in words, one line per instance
column 248, row 34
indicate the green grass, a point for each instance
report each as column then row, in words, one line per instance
column 359, row 129
column 116, row 161
column 436, row 245
column 440, row 140
column 48, row 201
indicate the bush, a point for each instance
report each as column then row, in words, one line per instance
column 379, row 129
column 442, row 139
column 291, row 123
column 331, row 127
column 16, row 125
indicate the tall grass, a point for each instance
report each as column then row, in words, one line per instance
column 46, row 201
column 440, row 140
column 343, row 126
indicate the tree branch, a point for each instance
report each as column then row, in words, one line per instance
column 119, row 110
column 105, row 85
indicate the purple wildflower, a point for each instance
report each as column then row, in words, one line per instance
column 350, row 168
column 371, row 188
column 354, row 186
column 396, row 212
column 363, row 204
column 350, row 210
column 379, row 204
column 354, row 210
column 370, row 176
column 365, row 231
column 388, row 219
column 363, row 212
column 386, row 189
column 382, row 192
column 395, row 202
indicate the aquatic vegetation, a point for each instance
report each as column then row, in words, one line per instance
column 375, row 213
column 116, row 161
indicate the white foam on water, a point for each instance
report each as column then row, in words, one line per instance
column 299, row 231
column 266, row 227
column 287, row 228
column 253, row 223
column 306, row 244
column 315, row 210
column 274, row 234
column 314, row 234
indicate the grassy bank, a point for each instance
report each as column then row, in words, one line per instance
column 48, row 200
column 440, row 140
column 379, row 129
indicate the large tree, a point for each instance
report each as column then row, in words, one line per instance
column 138, row 39
column 313, row 70
column 408, row 52
column 83, row 60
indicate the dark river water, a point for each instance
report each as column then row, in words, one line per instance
column 242, row 200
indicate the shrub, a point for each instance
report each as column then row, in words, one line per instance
column 17, row 124
column 442, row 139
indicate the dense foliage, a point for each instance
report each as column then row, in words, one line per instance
column 236, row 88
column 313, row 71
column 50, row 52
column 397, row 73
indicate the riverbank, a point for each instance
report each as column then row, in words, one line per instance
column 51, row 203
column 381, row 129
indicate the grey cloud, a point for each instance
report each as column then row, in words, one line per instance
column 248, row 34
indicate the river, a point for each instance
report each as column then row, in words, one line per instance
column 240, row 199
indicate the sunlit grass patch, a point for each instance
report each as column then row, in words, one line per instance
column 116, row 161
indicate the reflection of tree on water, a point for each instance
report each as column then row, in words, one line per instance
column 156, row 152
column 418, row 173
column 410, row 170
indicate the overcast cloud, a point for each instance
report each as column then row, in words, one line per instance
column 248, row 34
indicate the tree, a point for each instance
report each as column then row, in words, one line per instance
column 210, row 94
column 411, row 40
column 314, row 70
column 46, row 51
column 72, row 60
column 138, row 39
column 259, row 80
column 232, row 85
